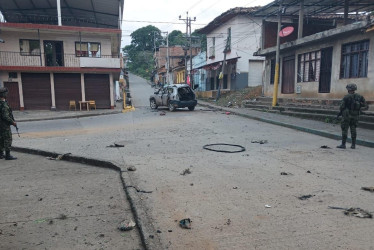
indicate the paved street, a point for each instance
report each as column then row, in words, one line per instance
column 235, row 201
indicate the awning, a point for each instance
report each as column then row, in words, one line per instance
column 216, row 65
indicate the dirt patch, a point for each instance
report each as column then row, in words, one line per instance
column 235, row 98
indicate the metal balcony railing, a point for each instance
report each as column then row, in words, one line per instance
column 43, row 59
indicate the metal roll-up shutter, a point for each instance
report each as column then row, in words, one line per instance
column 36, row 91
column 97, row 89
column 67, row 88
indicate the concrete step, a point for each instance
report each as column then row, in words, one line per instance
column 364, row 122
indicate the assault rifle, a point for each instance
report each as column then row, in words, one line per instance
column 17, row 131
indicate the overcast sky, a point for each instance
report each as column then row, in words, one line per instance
column 164, row 14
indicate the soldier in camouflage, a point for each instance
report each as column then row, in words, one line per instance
column 6, row 119
column 350, row 110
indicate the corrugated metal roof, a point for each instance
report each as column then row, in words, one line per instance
column 224, row 17
column 85, row 13
column 315, row 7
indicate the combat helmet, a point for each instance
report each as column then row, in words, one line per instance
column 351, row 86
column 3, row 92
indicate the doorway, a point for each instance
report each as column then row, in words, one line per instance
column 325, row 73
column 288, row 75
column 54, row 53
column 13, row 95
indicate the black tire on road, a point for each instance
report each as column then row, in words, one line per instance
column 152, row 104
column 192, row 108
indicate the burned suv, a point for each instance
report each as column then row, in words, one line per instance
column 174, row 96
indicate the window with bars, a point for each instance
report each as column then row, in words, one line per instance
column 354, row 60
column 308, row 68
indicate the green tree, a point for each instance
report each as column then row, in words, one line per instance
column 202, row 38
column 140, row 51
column 176, row 38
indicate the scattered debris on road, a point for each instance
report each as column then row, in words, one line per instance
column 308, row 172
column 162, row 113
column 228, row 113
column 305, row 197
column 131, row 168
column 127, row 225
column 115, row 145
column 58, row 158
column 285, row 173
column 186, row 171
column 355, row 211
column 185, row 223
column 62, row 217
column 158, row 231
column 234, row 187
column 267, row 206
column 228, row 223
column 370, row 189
column 325, row 146
column 260, row 141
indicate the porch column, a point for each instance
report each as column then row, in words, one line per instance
column 301, row 20
column 83, row 88
column 111, row 90
column 53, row 91
column 346, row 10
column 20, row 89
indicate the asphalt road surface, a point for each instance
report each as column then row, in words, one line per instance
column 235, row 200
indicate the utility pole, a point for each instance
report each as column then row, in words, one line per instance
column 276, row 77
column 188, row 21
column 221, row 75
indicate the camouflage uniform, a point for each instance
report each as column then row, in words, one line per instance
column 6, row 120
column 350, row 110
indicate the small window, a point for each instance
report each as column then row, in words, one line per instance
column 12, row 75
column 354, row 60
column 87, row 49
column 29, row 47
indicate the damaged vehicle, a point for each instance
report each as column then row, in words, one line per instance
column 174, row 96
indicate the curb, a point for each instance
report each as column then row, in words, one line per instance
column 143, row 225
column 66, row 117
column 287, row 125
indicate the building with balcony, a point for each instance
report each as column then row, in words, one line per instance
column 53, row 53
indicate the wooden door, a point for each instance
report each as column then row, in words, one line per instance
column 325, row 71
column 288, row 75
column 13, row 95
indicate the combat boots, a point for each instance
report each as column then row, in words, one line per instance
column 1, row 155
column 353, row 146
column 8, row 156
column 344, row 139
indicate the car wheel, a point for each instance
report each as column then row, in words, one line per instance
column 171, row 107
column 192, row 108
column 153, row 104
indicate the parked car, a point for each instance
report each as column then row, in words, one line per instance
column 174, row 96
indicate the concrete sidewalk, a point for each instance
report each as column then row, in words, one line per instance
column 365, row 137
column 39, row 115
column 49, row 204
